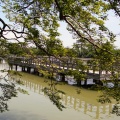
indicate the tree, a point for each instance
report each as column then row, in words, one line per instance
column 84, row 49
column 31, row 15
column 3, row 48
column 115, row 5
column 15, row 49
column 85, row 21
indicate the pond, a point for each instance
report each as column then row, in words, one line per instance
column 37, row 106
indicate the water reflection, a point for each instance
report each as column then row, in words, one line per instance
column 92, row 109
column 83, row 104
column 21, row 115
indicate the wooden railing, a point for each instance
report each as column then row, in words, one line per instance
column 64, row 63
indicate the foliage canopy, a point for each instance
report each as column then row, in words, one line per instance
column 36, row 22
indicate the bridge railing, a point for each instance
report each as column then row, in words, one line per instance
column 63, row 63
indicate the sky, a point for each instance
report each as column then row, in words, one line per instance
column 113, row 23
column 65, row 36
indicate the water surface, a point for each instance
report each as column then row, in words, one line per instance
column 37, row 106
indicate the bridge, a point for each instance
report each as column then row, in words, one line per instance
column 59, row 66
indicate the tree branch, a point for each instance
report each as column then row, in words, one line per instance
column 26, row 6
column 115, row 7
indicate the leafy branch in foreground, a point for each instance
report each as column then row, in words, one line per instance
column 116, row 109
column 107, row 98
column 53, row 93
column 111, row 93
column 8, row 88
column 9, row 91
column 85, row 20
